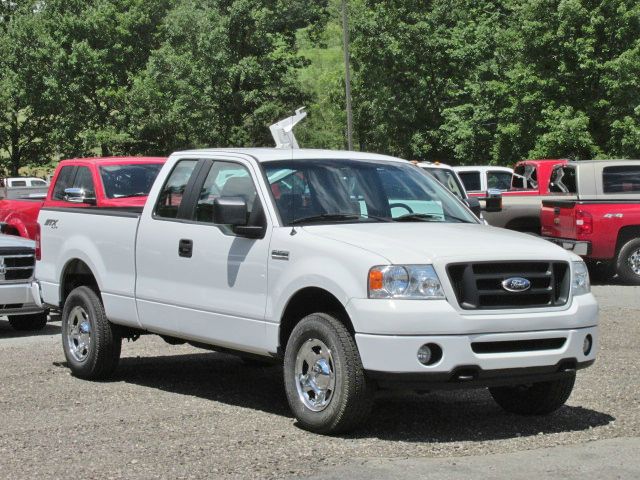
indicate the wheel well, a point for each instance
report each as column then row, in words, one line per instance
column 11, row 230
column 625, row 234
column 525, row 224
column 77, row 274
column 306, row 301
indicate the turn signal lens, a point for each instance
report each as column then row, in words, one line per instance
column 376, row 279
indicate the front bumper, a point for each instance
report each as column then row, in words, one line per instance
column 17, row 299
column 579, row 247
column 398, row 354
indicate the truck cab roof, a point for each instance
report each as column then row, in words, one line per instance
column 274, row 154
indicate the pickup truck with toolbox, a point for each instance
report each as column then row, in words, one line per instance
column 107, row 182
column 357, row 271
column 522, row 203
column 596, row 214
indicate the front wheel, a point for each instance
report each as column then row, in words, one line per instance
column 325, row 382
column 29, row 322
column 91, row 343
column 535, row 399
column 628, row 262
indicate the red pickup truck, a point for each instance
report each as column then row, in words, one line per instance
column 85, row 182
column 521, row 204
column 599, row 215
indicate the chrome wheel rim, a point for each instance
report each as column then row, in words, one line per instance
column 315, row 375
column 79, row 334
column 634, row 261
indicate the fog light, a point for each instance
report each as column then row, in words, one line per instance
column 424, row 354
column 429, row 354
column 587, row 344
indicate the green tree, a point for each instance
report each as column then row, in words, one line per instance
column 102, row 44
column 27, row 106
column 496, row 81
column 223, row 72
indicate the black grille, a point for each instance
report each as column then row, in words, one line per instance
column 518, row 345
column 478, row 286
column 17, row 266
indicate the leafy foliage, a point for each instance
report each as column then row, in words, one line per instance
column 463, row 81
column 496, row 81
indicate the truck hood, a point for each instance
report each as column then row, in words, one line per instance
column 14, row 241
column 418, row 243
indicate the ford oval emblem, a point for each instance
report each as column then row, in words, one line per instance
column 516, row 284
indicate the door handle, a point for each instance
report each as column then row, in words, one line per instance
column 185, row 248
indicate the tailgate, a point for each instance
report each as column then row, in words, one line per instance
column 558, row 219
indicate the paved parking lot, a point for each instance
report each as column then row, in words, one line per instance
column 180, row 412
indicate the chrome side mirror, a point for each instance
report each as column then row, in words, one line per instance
column 79, row 195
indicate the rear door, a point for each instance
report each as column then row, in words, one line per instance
column 197, row 279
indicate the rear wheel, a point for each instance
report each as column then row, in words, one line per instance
column 535, row 399
column 32, row 321
column 628, row 262
column 91, row 343
column 325, row 382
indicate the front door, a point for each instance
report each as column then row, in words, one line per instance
column 197, row 279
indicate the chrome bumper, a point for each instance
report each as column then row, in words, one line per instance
column 36, row 294
column 582, row 248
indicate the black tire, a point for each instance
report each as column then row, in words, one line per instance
column 29, row 322
column 535, row 399
column 623, row 265
column 352, row 398
column 103, row 352
column 600, row 271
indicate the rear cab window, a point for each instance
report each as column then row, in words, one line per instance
column 525, row 177
column 621, row 179
column 471, row 181
column 563, row 180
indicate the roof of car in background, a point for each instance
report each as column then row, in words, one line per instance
column 481, row 168
column 115, row 160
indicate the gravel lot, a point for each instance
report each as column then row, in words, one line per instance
column 180, row 412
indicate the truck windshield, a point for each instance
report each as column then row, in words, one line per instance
column 338, row 191
column 132, row 180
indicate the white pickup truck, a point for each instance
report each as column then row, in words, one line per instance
column 358, row 271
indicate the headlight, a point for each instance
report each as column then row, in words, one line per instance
column 580, row 283
column 405, row 281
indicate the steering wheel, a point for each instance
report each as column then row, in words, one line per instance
column 401, row 205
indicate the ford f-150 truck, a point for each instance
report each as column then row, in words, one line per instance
column 102, row 182
column 599, row 217
column 522, row 203
column 357, row 270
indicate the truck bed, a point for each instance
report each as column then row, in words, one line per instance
column 70, row 235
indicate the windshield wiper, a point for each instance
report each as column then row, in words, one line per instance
column 337, row 216
column 325, row 216
column 421, row 217
column 137, row 194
